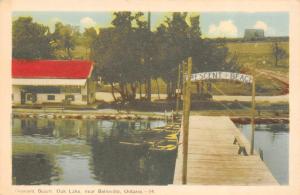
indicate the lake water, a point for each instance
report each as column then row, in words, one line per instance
column 67, row 151
column 273, row 139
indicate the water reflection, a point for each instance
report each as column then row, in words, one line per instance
column 273, row 139
column 65, row 151
column 33, row 169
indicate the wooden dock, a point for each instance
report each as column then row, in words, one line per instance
column 213, row 159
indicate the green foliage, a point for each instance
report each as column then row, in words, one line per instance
column 34, row 41
column 116, row 54
column 64, row 38
column 213, row 56
column 89, row 36
column 172, row 46
column 258, row 54
column 176, row 40
column 30, row 40
column 278, row 53
column 128, row 55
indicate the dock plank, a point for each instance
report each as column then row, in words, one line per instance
column 213, row 159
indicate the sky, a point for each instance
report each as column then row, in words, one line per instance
column 212, row 24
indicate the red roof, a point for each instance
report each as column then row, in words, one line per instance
column 62, row 69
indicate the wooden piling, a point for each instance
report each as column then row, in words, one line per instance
column 253, row 114
column 186, row 115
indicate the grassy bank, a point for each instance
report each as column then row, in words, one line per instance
column 258, row 54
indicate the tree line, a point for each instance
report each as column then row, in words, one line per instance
column 128, row 55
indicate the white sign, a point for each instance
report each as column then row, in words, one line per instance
column 244, row 78
column 178, row 91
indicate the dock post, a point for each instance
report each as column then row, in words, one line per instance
column 166, row 117
column 253, row 114
column 261, row 154
column 172, row 115
column 186, row 115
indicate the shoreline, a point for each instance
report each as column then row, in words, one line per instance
column 111, row 114
column 247, row 120
column 105, row 116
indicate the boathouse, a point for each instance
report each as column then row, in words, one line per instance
column 52, row 82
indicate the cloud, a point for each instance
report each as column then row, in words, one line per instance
column 87, row 22
column 225, row 28
column 261, row 25
column 269, row 31
column 52, row 23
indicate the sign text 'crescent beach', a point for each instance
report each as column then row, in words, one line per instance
column 244, row 78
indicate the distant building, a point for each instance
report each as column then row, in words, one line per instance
column 52, row 81
column 253, row 34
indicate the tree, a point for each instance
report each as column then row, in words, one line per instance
column 278, row 53
column 126, row 55
column 171, row 48
column 145, row 50
column 176, row 40
column 30, row 40
column 89, row 36
column 64, row 38
column 118, row 62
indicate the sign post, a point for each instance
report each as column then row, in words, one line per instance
column 253, row 114
column 186, row 115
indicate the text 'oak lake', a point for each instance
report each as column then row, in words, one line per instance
column 244, row 78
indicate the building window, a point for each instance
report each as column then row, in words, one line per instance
column 43, row 89
column 84, row 98
column 31, row 97
column 70, row 97
column 51, row 97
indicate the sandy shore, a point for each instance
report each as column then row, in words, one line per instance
column 106, row 96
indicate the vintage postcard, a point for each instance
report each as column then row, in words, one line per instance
column 141, row 97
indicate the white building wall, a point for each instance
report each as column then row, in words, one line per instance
column 16, row 94
column 59, row 98
column 78, row 100
column 43, row 98
column 84, row 89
